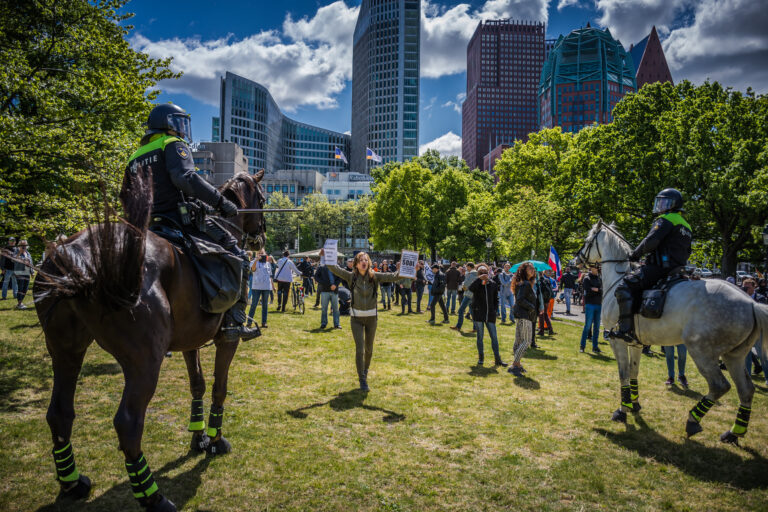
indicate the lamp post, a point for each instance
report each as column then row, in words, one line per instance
column 488, row 245
column 765, row 243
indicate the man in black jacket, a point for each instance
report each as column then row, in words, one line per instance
column 438, row 288
column 569, row 285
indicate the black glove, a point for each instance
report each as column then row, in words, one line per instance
column 227, row 207
column 634, row 256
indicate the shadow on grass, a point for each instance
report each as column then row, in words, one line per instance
column 468, row 334
column 538, row 353
column 527, row 383
column 90, row 369
column 179, row 489
column 21, row 327
column 20, row 371
column 479, row 370
column 684, row 392
column 705, row 463
column 600, row 357
column 345, row 401
column 317, row 330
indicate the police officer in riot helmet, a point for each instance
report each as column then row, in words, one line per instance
column 668, row 247
column 177, row 188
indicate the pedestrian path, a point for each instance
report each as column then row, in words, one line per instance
column 577, row 315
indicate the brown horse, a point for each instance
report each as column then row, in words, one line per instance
column 138, row 297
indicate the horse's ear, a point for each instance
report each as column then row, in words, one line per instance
column 258, row 176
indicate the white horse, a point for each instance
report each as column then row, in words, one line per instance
column 713, row 318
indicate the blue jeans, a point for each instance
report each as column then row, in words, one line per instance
column 465, row 302
column 503, row 303
column 333, row 298
column 429, row 292
column 255, row 296
column 567, row 292
column 450, row 303
column 762, row 356
column 10, row 277
column 479, row 326
column 682, row 352
column 592, row 319
column 386, row 295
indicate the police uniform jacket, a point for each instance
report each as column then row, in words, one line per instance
column 173, row 173
column 668, row 244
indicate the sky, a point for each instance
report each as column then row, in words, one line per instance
column 301, row 50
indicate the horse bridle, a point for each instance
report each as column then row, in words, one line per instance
column 246, row 237
column 587, row 247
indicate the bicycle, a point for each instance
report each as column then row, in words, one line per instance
column 297, row 297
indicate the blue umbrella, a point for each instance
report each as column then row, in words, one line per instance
column 538, row 265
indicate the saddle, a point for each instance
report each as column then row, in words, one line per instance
column 219, row 272
column 652, row 304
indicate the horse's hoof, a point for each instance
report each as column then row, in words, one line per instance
column 79, row 491
column 163, row 504
column 636, row 407
column 619, row 416
column 730, row 437
column 219, row 447
column 692, row 427
column 200, row 442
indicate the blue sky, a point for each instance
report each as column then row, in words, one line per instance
column 301, row 49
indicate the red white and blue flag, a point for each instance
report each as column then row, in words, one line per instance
column 554, row 262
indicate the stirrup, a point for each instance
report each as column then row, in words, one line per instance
column 629, row 337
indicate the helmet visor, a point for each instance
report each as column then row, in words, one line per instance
column 663, row 204
column 181, row 124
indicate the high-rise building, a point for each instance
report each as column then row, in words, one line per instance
column 215, row 130
column 650, row 62
column 250, row 117
column 385, row 82
column 504, row 60
column 586, row 74
column 219, row 161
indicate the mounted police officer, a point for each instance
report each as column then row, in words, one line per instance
column 668, row 246
column 178, row 191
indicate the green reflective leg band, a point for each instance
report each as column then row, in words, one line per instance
column 66, row 470
column 142, row 482
column 214, row 420
column 701, row 408
column 739, row 427
column 196, row 416
column 626, row 399
column 634, row 390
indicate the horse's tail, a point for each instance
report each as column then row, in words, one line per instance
column 108, row 266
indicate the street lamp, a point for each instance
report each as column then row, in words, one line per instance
column 488, row 245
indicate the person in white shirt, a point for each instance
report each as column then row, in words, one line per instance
column 286, row 269
column 261, row 285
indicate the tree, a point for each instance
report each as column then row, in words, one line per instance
column 320, row 219
column 281, row 227
column 470, row 226
column 73, row 96
column 398, row 210
column 530, row 224
column 447, row 192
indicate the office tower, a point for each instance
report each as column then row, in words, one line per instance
column 650, row 62
column 385, row 82
column 504, row 60
column 586, row 74
column 250, row 117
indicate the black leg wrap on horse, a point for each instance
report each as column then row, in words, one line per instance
column 626, row 397
column 701, row 408
column 197, row 416
column 739, row 427
column 218, row 444
column 142, row 482
column 66, row 469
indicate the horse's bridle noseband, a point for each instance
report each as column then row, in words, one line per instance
column 587, row 247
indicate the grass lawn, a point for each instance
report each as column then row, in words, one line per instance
column 435, row 432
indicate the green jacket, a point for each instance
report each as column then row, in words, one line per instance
column 364, row 292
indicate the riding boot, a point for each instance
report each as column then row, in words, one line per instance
column 233, row 325
column 626, row 318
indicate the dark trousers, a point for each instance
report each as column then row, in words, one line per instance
column 405, row 299
column 363, row 331
column 438, row 300
column 544, row 321
column 23, row 284
column 419, row 294
column 283, row 290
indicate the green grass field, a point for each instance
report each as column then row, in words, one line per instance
column 435, row 432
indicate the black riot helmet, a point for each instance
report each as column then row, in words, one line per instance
column 668, row 200
column 168, row 116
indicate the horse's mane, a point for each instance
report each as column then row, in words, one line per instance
column 240, row 186
column 615, row 239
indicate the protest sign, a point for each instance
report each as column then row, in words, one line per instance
column 408, row 261
column 331, row 252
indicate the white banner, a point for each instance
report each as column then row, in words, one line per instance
column 408, row 260
column 331, row 252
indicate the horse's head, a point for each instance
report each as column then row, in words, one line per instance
column 603, row 243
column 245, row 191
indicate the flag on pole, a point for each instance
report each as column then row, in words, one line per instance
column 340, row 156
column 371, row 155
column 554, row 262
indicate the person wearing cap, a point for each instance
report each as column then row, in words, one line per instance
column 7, row 264
column 437, row 291
column 23, row 271
column 485, row 302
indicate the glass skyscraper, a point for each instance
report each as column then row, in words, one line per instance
column 385, row 82
column 250, row 117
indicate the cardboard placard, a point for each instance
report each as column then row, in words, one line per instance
column 408, row 260
column 331, row 252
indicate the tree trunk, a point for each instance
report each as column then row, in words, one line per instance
column 433, row 253
column 729, row 260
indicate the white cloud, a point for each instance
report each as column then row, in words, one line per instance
column 448, row 145
column 446, row 32
column 723, row 40
column 455, row 105
column 562, row 4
